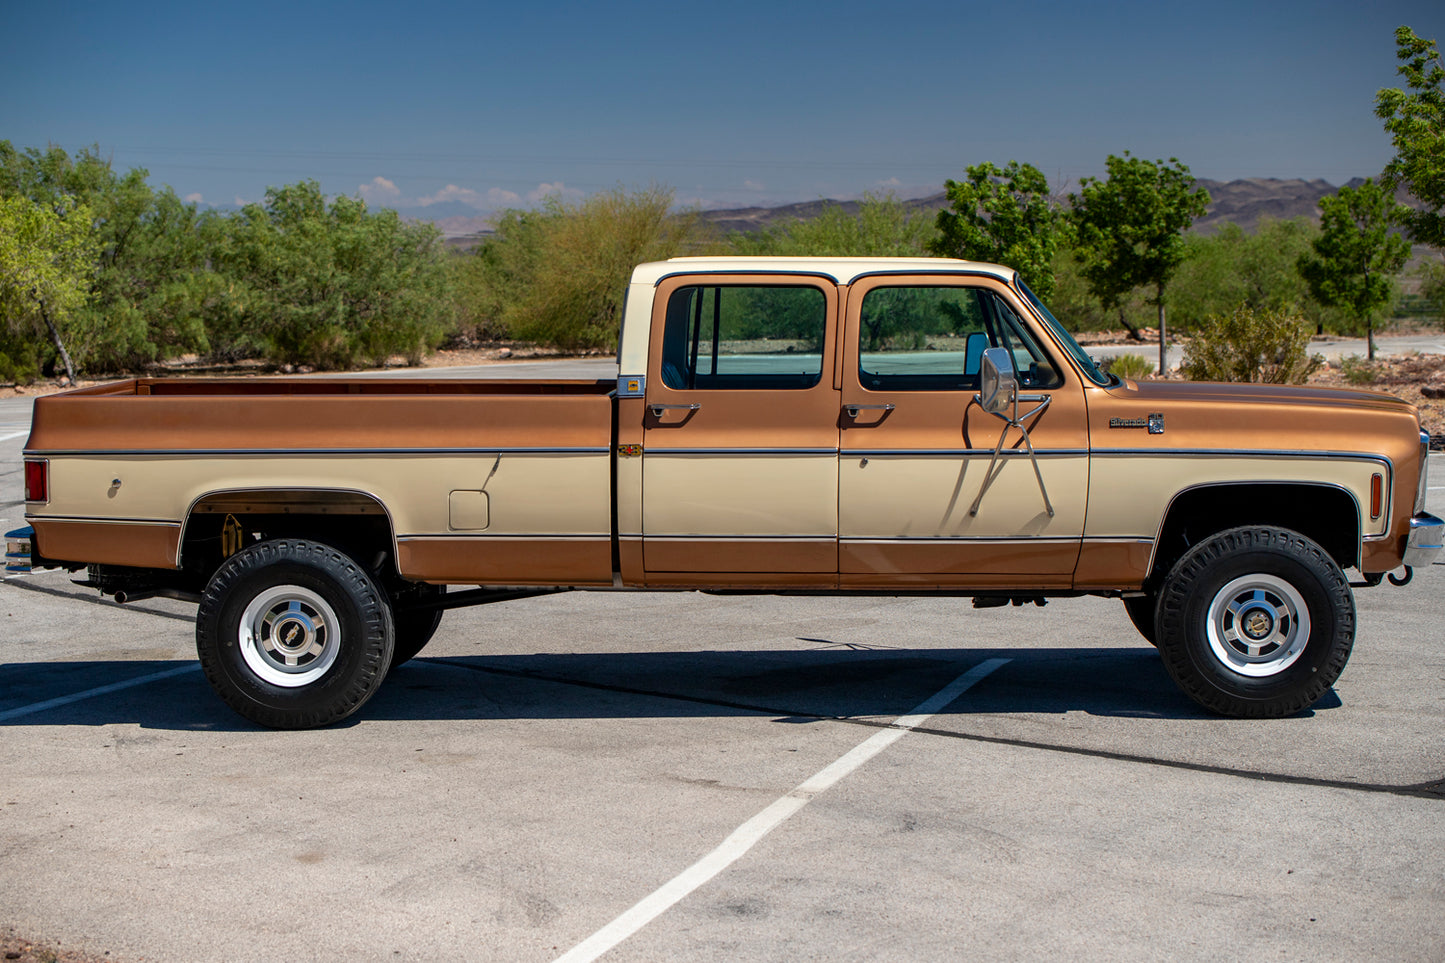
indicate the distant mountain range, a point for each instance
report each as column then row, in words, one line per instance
column 1241, row 202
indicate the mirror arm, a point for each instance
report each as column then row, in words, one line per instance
column 1015, row 420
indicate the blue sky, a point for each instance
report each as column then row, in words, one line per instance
column 467, row 107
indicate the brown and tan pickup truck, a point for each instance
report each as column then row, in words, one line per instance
column 884, row 426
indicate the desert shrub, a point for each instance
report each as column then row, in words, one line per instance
column 1130, row 366
column 1358, row 371
column 558, row 276
column 1264, row 346
column 883, row 226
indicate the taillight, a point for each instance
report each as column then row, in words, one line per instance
column 37, row 481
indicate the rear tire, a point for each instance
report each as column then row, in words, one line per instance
column 293, row 634
column 1256, row 622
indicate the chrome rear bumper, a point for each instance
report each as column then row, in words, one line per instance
column 1427, row 533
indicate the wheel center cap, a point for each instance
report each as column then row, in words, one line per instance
column 292, row 635
column 1258, row 624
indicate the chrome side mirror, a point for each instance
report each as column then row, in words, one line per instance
column 997, row 385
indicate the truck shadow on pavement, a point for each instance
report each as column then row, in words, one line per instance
column 795, row 686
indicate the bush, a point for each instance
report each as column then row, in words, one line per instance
column 1133, row 366
column 558, row 276
column 1268, row 347
column 330, row 286
column 882, row 227
column 1358, row 371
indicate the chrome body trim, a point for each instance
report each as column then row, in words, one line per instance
column 960, row 452
column 1247, row 453
column 1359, row 512
column 508, row 537
column 830, row 452
column 312, row 452
column 191, row 510
column 1422, row 489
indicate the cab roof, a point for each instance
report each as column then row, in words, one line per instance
column 843, row 270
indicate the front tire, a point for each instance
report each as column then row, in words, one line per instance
column 293, row 634
column 1256, row 622
column 1141, row 609
column 414, row 627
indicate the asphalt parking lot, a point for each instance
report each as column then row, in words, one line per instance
column 688, row 777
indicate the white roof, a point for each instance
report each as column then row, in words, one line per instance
column 844, row 270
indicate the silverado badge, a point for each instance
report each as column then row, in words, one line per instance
column 1155, row 423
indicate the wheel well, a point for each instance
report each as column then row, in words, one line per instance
column 353, row 522
column 1326, row 514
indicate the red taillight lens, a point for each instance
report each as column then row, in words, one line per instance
column 37, row 481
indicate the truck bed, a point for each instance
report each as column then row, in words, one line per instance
column 184, row 414
column 478, row 480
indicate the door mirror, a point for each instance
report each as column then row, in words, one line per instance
column 998, row 387
column 973, row 353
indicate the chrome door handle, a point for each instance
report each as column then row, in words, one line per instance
column 852, row 410
column 657, row 410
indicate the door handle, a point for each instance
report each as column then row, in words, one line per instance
column 657, row 409
column 852, row 410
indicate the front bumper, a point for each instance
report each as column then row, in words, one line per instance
column 1427, row 534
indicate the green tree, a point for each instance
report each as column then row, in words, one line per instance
column 46, row 256
column 1356, row 257
column 1235, row 267
column 1130, row 230
column 328, row 285
column 145, row 295
column 883, row 226
column 1415, row 119
column 1004, row 215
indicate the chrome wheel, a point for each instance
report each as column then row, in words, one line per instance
column 289, row 636
column 1258, row 625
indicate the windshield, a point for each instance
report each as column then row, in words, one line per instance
column 1086, row 363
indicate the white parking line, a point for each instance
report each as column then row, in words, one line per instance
column 99, row 690
column 749, row 833
column 15, row 434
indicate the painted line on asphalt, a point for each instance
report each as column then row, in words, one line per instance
column 15, row 434
column 34, row 707
column 751, row 832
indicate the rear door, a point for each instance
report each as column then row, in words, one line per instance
column 740, row 437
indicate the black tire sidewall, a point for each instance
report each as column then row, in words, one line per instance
column 364, row 621
column 1199, row 576
column 414, row 628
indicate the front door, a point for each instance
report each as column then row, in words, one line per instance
column 740, row 438
column 917, row 502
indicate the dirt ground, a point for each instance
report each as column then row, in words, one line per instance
column 14, row 948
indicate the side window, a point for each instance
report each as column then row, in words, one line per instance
column 932, row 338
column 736, row 336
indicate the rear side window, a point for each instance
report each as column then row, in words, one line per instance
column 921, row 338
column 744, row 337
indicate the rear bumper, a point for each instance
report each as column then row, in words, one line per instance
column 1427, row 534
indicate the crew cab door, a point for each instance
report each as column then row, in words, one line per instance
column 740, row 433
column 915, row 447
